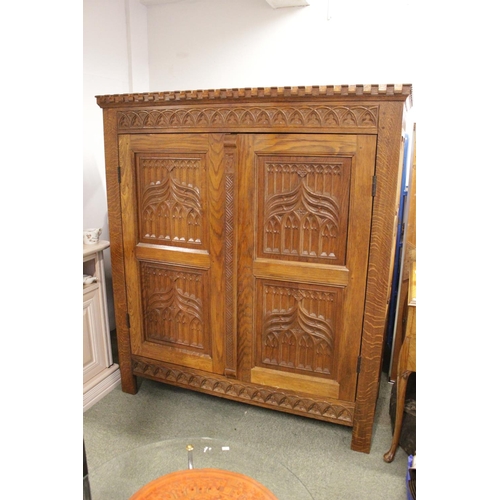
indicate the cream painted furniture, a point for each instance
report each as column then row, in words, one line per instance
column 100, row 374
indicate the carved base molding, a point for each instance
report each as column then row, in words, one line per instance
column 320, row 409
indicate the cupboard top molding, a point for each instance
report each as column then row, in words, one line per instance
column 333, row 93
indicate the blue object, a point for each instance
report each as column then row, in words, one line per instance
column 399, row 248
column 411, row 480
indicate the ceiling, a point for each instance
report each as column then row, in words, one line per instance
column 275, row 4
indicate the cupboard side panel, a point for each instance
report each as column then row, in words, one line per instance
column 128, row 380
column 388, row 172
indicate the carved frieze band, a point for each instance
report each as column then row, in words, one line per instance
column 321, row 116
column 251, row 393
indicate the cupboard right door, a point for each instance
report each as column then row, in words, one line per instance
column 304, row 217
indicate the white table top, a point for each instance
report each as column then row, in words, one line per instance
column 98, row 247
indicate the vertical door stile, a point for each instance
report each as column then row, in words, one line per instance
column 360, row 211
column 245, row 254
column 216, row 203
column 230, row 218
column 129, row 204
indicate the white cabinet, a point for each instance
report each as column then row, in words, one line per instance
column 100, row 374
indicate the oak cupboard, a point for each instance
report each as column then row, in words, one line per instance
column 252, row 239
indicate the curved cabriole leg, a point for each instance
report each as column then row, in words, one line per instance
column 401, row 382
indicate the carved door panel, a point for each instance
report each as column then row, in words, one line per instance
column 172, row 212
column 304, row 211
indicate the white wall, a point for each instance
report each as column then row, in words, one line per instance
column 200, row 44
column 115, row 61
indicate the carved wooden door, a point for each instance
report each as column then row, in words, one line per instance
column 246, row 255
column 172, row 212
column 304, row 213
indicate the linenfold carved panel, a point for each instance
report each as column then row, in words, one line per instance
column 303, row 208
column 173, row 307
column 321, row 116
column 297, row 326
column 171, row 199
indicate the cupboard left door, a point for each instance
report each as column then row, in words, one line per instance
column 172, row 199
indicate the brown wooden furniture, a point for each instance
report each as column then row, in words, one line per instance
column 407, row 362
column 410, row 256
column 204, row 484
column 252, row 241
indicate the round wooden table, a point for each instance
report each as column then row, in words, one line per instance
column 204, row 484
column 131, row 471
